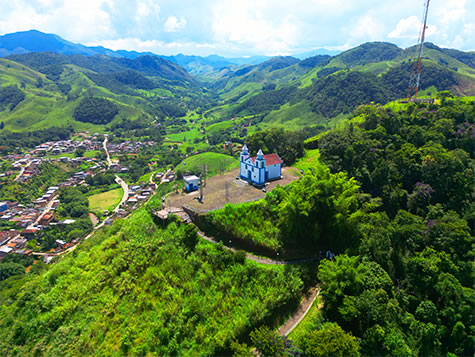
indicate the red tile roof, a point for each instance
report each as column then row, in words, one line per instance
column 271, row 159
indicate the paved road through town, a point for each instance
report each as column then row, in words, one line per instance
column 22, row 170
column 121, row 182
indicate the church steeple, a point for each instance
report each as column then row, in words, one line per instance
column 260, row 161
column 244, row 153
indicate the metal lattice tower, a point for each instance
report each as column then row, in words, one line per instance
column 416, row 65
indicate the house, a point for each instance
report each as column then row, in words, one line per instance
column 191, row 183
column 3, row 206
column 46, row 219
column 60, row 243
column 4, row 250
column 29, row 233
column 261, row 168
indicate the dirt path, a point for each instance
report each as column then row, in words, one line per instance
column 125, row 196
column 93, row 218
column 104, row 145
column 300, row 313
column 260, row 260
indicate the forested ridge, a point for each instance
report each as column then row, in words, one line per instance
column 397, row 209
column 418, row 164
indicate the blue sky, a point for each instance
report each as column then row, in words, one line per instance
column 241, row 27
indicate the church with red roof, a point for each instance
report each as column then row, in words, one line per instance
column 261, row 168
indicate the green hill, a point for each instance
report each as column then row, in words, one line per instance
column 373, row 72
column 54, row 85
column 380, row 57
column 215, row 163
column 321, row 90
column 137, row 289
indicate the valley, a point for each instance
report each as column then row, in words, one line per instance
column 361, row 245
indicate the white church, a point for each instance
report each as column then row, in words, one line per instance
column 261, row 168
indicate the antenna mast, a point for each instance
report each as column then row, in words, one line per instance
column 416, row 65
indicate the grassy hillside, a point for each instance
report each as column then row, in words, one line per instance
column 215, row 163
column 137, row 289
column 322, row 90
column 54, row 85
column 379, row 57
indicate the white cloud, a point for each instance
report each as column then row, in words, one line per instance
column 452, row 11
column 367, row 27
column 173, row 24
column 409, row 28
column 147, row 8
column 469, row 29
column 157, row 46
column 406, row 28
column 244, row 27
column 253, row 24
column 75, row 20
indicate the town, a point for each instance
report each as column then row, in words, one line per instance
column 82, row 161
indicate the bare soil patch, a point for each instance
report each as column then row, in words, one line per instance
column 215, row 196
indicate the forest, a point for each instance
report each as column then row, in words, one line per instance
column 10, row 97
column 287, row 144
column 397, row 210
column 95, row 110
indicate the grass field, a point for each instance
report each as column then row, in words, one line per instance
column 106, row 200
column 215, row 162
column 92, row 153
column 309, row 160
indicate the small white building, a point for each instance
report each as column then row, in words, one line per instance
column 191, row 183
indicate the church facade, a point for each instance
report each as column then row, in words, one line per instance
column 261, row 168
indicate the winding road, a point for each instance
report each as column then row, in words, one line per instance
column 121, row 182
column 22, row 171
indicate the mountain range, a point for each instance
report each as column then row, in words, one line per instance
column 51, row 76
column 36, row 41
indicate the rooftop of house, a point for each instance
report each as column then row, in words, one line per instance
column 271, row 159
column 190, row 178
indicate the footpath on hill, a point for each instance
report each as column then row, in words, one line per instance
column 257, row 259
column 300, row 313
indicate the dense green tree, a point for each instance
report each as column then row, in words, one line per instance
column 10, row 269
column 330, row 340
column 95, row 110
column 10, row 96
column 287, row 144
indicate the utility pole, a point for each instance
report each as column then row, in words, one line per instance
column 201, row 188
column 417, row 63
